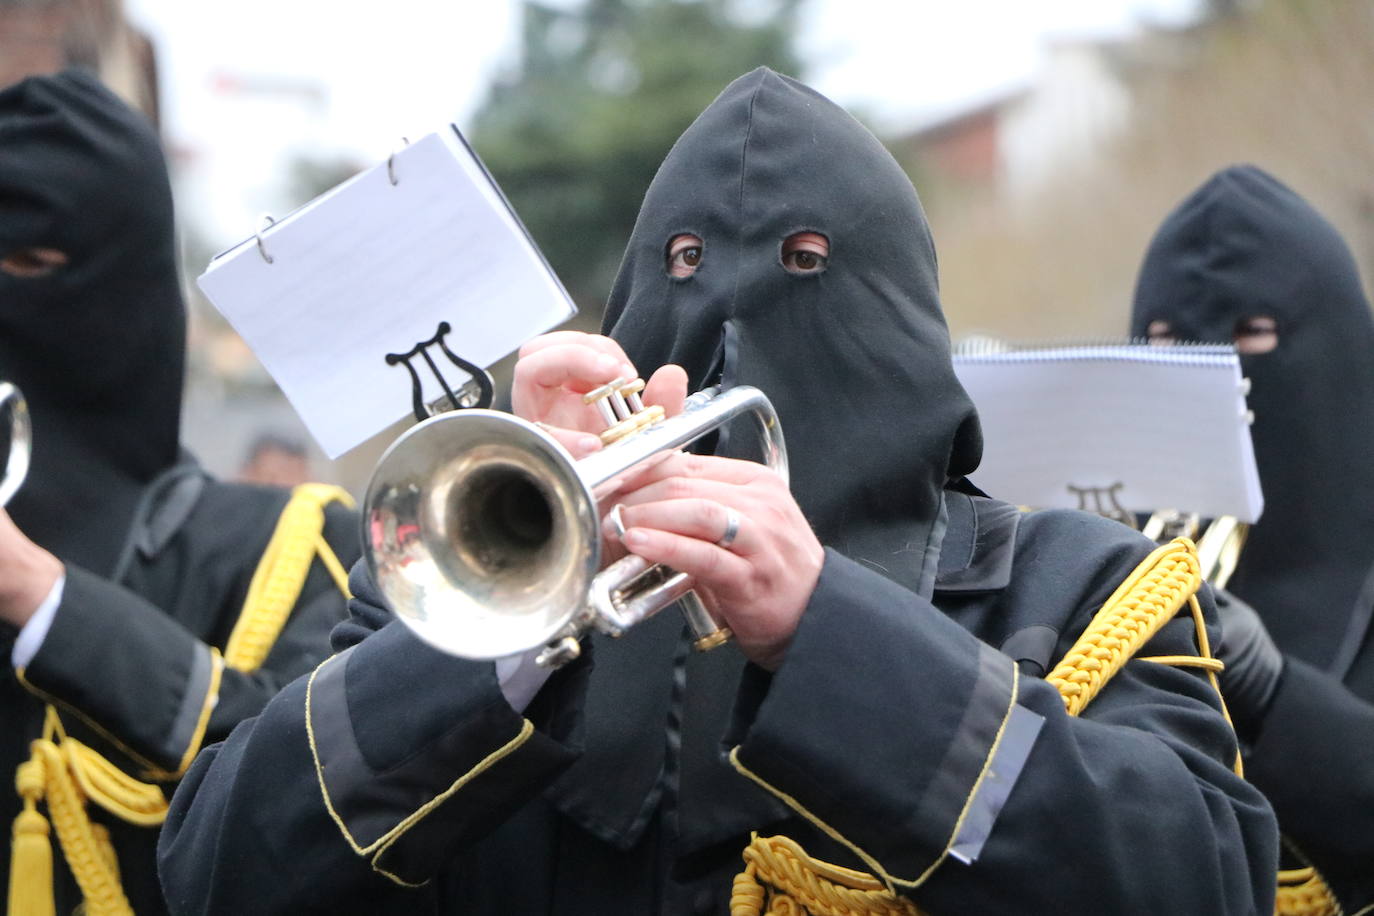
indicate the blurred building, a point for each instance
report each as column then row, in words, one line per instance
column 45, row 36
column 1042, row 200
column 1012, row 145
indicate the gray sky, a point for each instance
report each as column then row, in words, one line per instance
column 409, row 65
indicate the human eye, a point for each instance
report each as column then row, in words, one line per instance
column 32, row 262
column 1256, row 334
column 805, row 253
column 684, row 255
column 1160, row 333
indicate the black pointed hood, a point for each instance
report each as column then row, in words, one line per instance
column 1244, row 245
column 856, row 358
column 98, row 345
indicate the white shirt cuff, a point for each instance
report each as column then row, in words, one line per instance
column 520, row 678
column 32, row 634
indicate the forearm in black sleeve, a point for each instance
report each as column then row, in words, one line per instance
column 1314, row 759
column 362, row 780
column 128, row 671
column 1132, row 808
column 149, row 686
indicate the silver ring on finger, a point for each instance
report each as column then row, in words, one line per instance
column 731, row 529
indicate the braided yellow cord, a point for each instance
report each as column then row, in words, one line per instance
column 807, row 886
column 1144, row 602
column 1302, row 892
column 87, row 850
column 280, row 576
column 111, row 788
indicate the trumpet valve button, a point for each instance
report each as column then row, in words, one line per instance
column 630, row 392
column 558, row 653
column 713, row 640
column 597, row 394
column 646, row 417
column 602, row 398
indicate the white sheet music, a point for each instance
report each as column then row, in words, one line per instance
column 372, row 267
column 1148, row 427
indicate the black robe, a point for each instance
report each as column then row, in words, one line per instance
column 394, row 765
column 158, row 557
column 1245, row 245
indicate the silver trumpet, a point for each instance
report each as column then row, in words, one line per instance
column 484, row 534
column 21, row 441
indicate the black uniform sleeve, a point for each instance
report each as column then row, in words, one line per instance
column 1314, row 759
column 375, row 770
column 149, row 686
column 1131, row 808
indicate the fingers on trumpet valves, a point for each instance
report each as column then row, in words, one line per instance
column 621, row 408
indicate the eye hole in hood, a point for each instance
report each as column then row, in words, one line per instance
column 684, row 253
column 805, row 253
column 33, row 262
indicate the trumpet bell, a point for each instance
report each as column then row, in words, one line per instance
column 484, row 535
column 481, row 533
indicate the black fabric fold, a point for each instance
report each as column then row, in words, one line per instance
column 615, row 787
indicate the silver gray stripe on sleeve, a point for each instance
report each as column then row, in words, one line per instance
column 192, row 703
column 1023, row 727
column 987, row 708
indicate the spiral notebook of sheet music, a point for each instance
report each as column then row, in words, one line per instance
column 1114, row 426
column 375, row 267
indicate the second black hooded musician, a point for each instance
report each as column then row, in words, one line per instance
column 155, row 559
column 1245, row 259
column 864, row 716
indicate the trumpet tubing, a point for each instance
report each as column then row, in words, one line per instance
column 21, row 441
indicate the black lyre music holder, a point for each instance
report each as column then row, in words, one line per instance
column 1103, row 501
column 476, row 392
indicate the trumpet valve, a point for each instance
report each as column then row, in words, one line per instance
column 630, row 392
column 609, row 402
column 558, row 653
column 646, row 417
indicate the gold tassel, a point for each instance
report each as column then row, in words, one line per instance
column 30, row 892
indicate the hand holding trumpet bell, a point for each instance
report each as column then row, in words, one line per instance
column 677, row 509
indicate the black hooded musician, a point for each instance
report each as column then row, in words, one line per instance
column 144, row 607
column 1244, row 258
column 862, row 746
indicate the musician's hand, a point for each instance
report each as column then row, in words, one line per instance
column 27, row 573
column 759, row 584
column 555, row 370
column 1253, row 662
